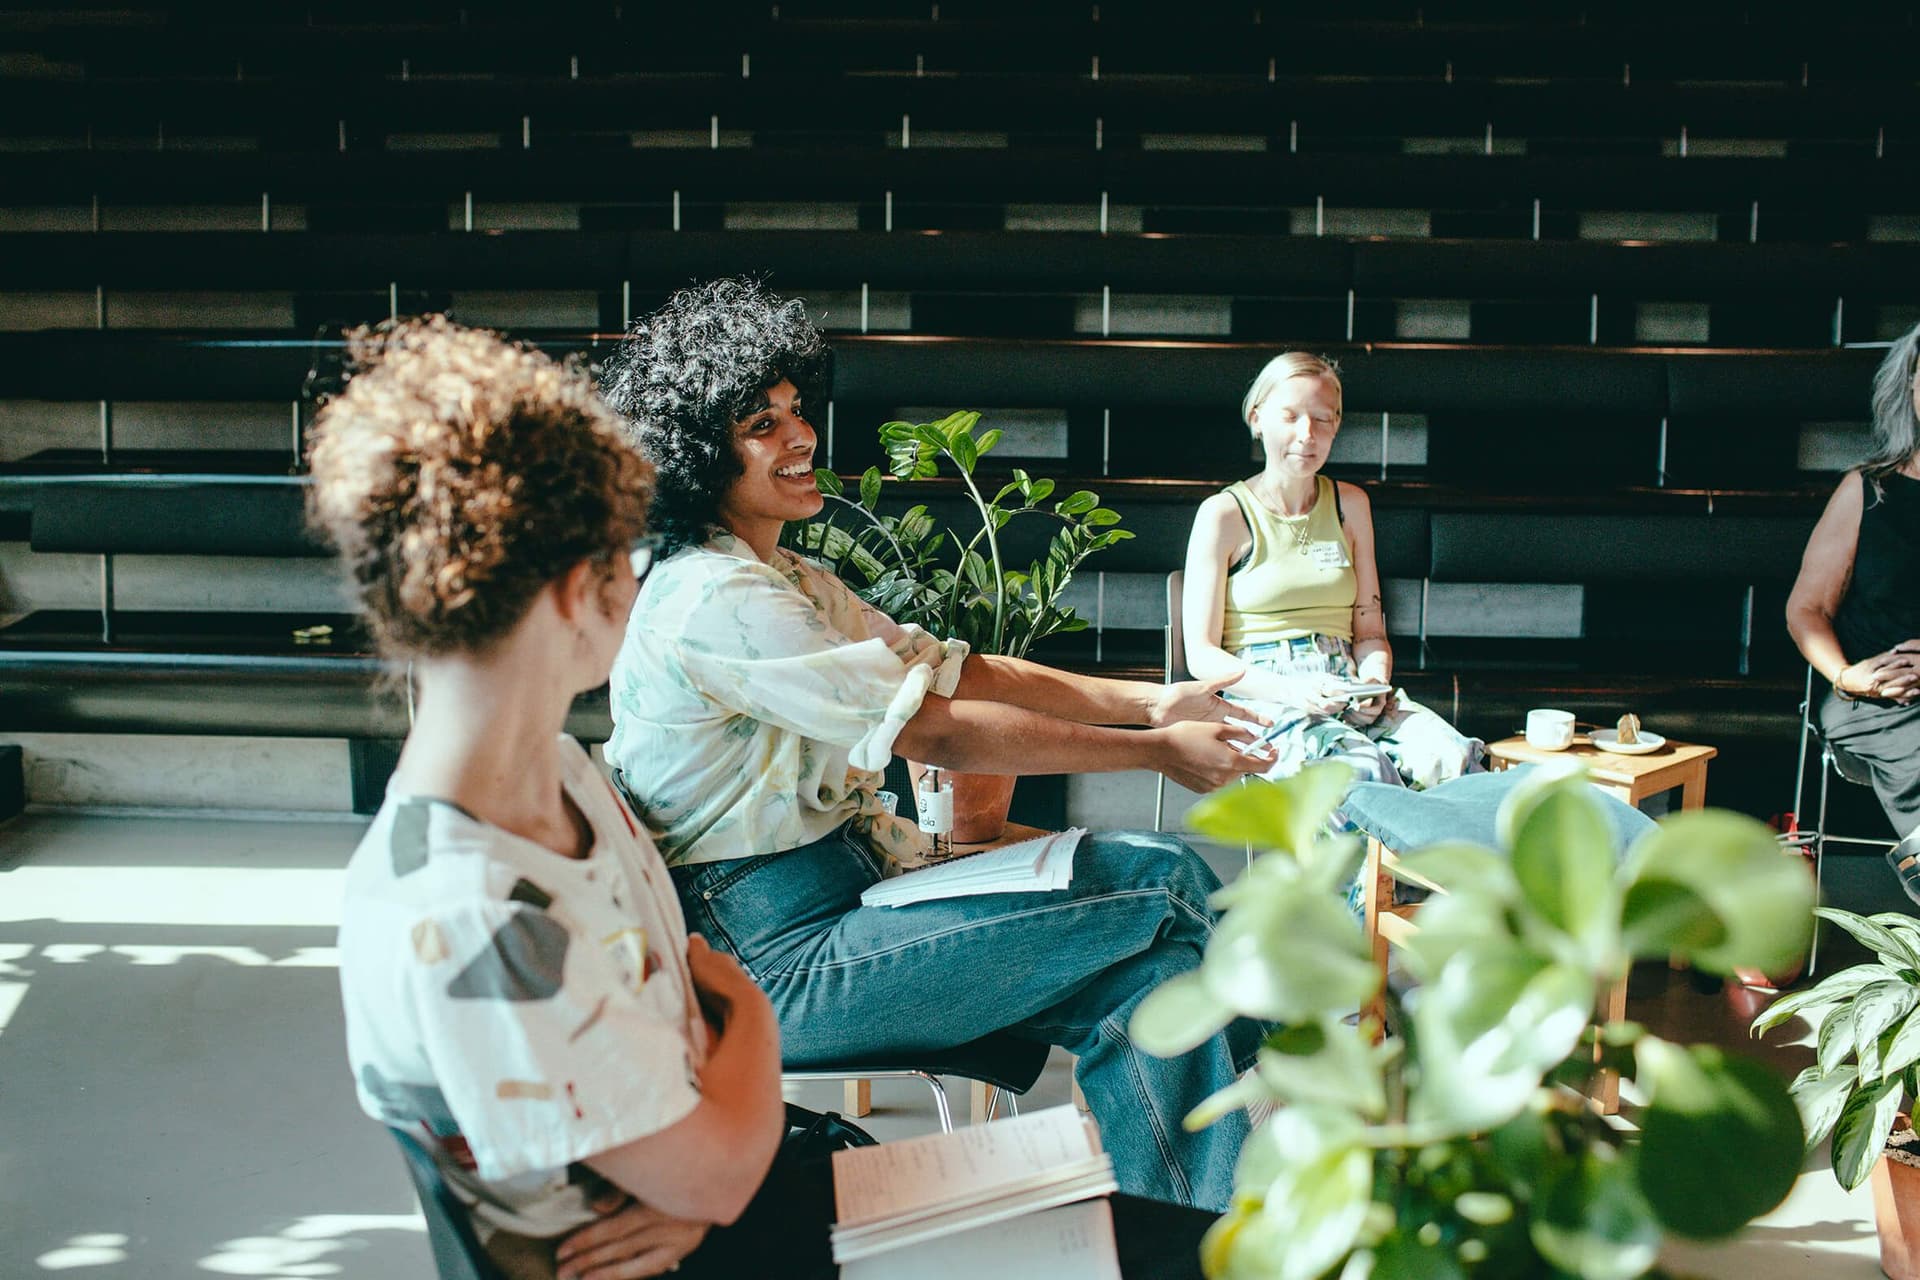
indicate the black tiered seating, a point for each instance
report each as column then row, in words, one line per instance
column 1459, row 155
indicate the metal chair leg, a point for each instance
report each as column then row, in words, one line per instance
column 940, row 1103
column 1819, row 854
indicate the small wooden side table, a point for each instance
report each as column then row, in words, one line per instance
column 1632, row 778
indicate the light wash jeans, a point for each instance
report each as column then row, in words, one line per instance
column 1067, row 967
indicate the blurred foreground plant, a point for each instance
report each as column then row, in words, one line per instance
column 1464, row 1150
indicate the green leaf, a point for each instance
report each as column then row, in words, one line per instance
column 1892, row 949
column 1329, row 1062
column 1860, row 1133
column 1541, row 781
column 1903, row 1050
column 869, row 487
column 1819, row 1097
column 1451, row 923
column 1525, row 1150
column 1290, row 956
column 1833, row 1044
column 1314, row 1208
column 1662, row 917
column 1875, row 1009
column 1078, row 503
column 1179, row 1015
column 1459, row 867
column 1763, row 899
column 1039, row 491
column 1493, row 1022
column 978, row 572
column 1831, row 990
column 1591, row 1220
column 1247, row 1091
column 1721, row 1140
column 1400, row 1257
column 1274, row 815
column 1563, row 858
column 965, row 451
column 827, row 482
column 988, row 441
column 1100, row 517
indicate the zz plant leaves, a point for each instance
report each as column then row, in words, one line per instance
column 958, row 586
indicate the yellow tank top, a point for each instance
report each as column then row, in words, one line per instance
column 1298, row 578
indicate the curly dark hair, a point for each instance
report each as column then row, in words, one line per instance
column 687, row 373
column 459, row 474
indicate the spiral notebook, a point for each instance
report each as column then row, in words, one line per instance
column 1030, row 866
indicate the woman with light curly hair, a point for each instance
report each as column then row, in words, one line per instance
column 522, row 998
column 757, row 701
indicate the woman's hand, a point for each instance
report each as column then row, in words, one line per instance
column 628, row 1241
column 1320, row 695
column 1893, row 675
column 1365, row 713
column 1199, row 700
column 1204, row 757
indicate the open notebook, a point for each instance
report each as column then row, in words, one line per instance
column 1030, row 866
column 919, row 1207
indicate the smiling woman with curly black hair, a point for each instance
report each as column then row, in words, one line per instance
column 688, row 373
column 757, row 701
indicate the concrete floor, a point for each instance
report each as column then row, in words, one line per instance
column 175, row 1102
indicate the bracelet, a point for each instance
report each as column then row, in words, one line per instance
column 1840, row 692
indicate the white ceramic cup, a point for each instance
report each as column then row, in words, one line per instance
column 1549, row 730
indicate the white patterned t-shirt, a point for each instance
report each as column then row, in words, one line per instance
column 517, row 1010
column 755, row 705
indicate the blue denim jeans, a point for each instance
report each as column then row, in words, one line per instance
column 1066, row 967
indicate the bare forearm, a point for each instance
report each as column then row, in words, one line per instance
column 707, row 1166
column 999, row 737
column 1061, row 694
column 1373, row 657
column 1813, row 635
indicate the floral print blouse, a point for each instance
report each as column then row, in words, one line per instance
column 755, row 705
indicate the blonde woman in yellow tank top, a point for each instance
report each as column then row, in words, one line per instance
column 1282, row 590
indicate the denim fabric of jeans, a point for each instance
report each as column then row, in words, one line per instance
column 1066, row 967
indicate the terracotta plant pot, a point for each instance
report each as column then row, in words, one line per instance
column 1896, row 1203
column 980, row 802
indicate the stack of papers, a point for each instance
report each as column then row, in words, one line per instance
column 902, row 1195
column 1031, row 866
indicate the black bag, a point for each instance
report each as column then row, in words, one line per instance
column 785, row 1231
column 817, row 1135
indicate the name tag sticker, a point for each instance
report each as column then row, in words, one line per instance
column 1328, row 555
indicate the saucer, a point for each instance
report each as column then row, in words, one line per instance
column 1609, row 740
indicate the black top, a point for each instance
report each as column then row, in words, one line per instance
column 1882, row 604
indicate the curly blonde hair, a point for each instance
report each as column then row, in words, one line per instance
column 459, row 474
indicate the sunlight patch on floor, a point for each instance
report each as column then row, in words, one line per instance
column 225, row 896
column 97, row 1249
column 302, row 1249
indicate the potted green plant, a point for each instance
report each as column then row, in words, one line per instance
column 1461, row 1150
column 955, row 585
column 1866, row 1061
